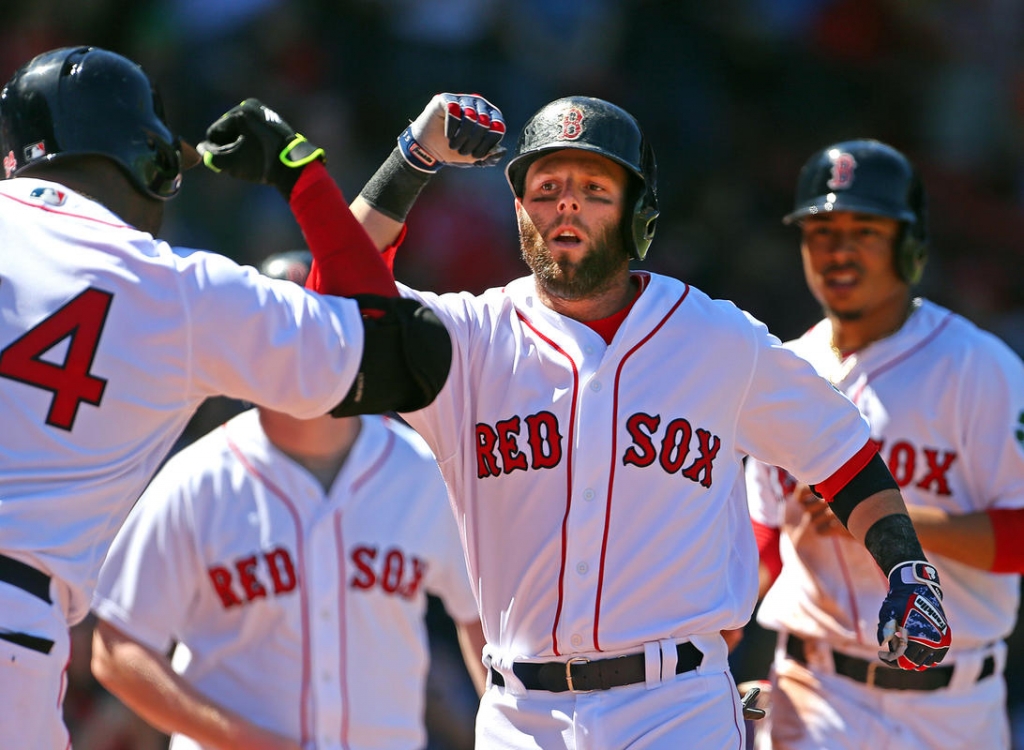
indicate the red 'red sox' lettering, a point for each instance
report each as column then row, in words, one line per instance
column 503, row 448
column 243, row 580
column 497, row 447
column 394, row 571
column 674, row 447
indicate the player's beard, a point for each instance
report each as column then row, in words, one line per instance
column 569, row 280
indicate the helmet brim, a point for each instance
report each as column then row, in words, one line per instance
column 832, row 202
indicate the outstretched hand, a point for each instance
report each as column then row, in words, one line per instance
column 251, row 142
column 458, row 130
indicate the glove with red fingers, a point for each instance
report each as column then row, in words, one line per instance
column 251, row 142
column 458, row 130
column 912, row 628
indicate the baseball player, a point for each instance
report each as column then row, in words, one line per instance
column 592, row 434
column 945, row 402
column 109, row 341
column 297, row 549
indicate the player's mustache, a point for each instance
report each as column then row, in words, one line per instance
column 842, row 267
column 562, row 224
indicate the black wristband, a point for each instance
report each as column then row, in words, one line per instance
column 874, row 477
column 394, row 188
column 892, row 540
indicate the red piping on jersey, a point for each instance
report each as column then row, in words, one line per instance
column 339, row 541
column 300, row 575
column 611, row 473
column 50, row 209
column 568, row 474
column 902, row 356
column 365, row 476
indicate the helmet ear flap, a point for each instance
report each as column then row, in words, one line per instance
column 645, row 220
column 911, row 254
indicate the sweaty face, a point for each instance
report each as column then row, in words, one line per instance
column 570, row 222
column 849, row 265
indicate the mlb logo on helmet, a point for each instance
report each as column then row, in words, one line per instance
column 35, row 150
column 843, row 166
column 48, row 195
column 571, row 121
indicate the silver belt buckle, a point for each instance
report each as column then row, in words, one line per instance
column 568, row 673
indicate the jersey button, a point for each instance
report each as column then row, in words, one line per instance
column 576, row 640
column 595, row 385
column 582, row 568
column 588, row 494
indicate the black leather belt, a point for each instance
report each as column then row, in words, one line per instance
column 25, row 577
column 581, row 675
column 879, row 675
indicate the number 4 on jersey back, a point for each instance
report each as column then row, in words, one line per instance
column 81, row 321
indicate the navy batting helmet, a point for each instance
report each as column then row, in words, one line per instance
column 868, row 176
column 291, row 265
column 77, row 101
column 590, row 124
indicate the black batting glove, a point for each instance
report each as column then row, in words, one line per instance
column 251, row 142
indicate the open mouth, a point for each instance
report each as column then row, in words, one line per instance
column 566, row 238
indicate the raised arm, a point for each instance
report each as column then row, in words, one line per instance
column 251, row 142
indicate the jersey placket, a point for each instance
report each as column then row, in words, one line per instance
column 578, row 629
column 325, row 572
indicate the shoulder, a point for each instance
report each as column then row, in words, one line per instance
column 963, row 340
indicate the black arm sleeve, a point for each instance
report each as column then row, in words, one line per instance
column 407, row 354
column 892, row 540
column 874, row 477
column 394, row 187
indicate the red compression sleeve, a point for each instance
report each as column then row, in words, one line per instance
column 1008, row 527
column 345, row 260
column 768, row 548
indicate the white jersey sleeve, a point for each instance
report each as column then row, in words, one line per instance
column 109, row 342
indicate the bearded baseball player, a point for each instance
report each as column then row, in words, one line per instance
column 945, row 401
column 297, row 549
column 109, row 342
column 592, row 435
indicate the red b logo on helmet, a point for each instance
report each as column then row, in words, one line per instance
column 843, row 165
column 572, row 124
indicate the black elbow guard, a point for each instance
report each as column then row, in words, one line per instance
column 407, row 354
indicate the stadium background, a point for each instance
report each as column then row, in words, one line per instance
column 733, row 94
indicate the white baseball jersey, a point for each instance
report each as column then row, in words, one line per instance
column 300, row 610
column 600, row 487
column 108, row 344
column 944, row 400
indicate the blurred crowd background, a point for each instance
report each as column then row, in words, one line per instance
column 734, row 95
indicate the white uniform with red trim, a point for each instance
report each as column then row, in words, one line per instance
column 600, row 490
column 299, row 609
column 945, row 401
column 108, row 344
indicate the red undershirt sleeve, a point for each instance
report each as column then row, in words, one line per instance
column 345, row 260
column 768, row 548
column 1008, row 527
